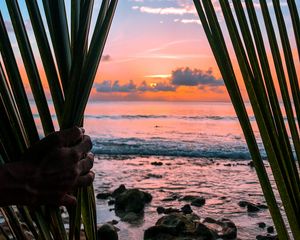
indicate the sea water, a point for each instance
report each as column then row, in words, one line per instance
column 203, row 151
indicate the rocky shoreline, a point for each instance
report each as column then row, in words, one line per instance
column 176, row 224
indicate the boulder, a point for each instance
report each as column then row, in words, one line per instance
column 107, row 232
column 268, row 237
column 186, row 209
column 270, row 229
column 252, row 208
column 261, row 225
column 179, row 226
column 132, row 200
column 119, row 190
column 103, row 195
column 198, row 202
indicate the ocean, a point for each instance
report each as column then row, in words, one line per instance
column 181, row 129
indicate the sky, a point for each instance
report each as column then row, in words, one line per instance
column 156, row 50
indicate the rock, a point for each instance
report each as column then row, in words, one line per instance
column 251, row 164
column 179, row 226
column 132, row 200
column 243, row 203
column 151, row 175
column 188, row 198
column 268, row 237
column 156, row 163
column 119, row 190
column 113, row 222
column 172, row 197
column 107, row 232
column 171, row 210
column 227, row 164
column 270, row 229
column 224, row 228
column 103, row 195
column 262, row 206
column 168, row 199
column 252, row 208
column 198, row 202
column 186, row 209
column 160, row 210
column 261, row 225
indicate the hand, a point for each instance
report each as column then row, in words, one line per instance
column 50, row 170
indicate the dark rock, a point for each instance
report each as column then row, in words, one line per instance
column 252, row 208
column 188, row 198
column 261, row 225
column 171, row 210
column 119, row 190
column 151, row 175
column 268, row 237
column 168, row 199
column 104, row 195
column 172, row 197
column 160, row 210
column 157, row 163
column 198, row 202
column 113, row 222
column 132, row 200
column 227, row 164
column 181, row 226
column 251, row 164
column 270, row 229
column 186, row 209
column 262, row 206
column 243, row 203
column 107, row 232
column 224, row 228
column 111, row 202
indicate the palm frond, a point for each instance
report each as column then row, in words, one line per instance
column 246, row 38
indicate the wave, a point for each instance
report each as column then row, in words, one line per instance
column 164, row 147
column 130, row 117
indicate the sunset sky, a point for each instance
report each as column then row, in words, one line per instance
column 156, row 50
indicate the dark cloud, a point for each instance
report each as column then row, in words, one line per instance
column 106, row 58
column 157, row 87
column 196, row 77
column 10, row 28
column 109, row 86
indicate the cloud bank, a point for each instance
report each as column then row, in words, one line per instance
column 108, row 86
column 196, row 77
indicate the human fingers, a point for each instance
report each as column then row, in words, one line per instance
column 83, row 147
column 70, row 137
column 64, row 138
column 86, row 164
column 86, row 180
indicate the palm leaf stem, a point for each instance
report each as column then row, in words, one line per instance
column 16, row 84
column 30, row 65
